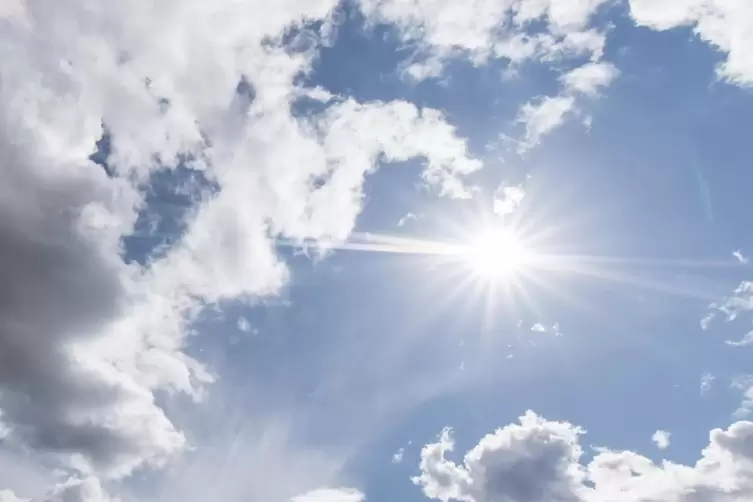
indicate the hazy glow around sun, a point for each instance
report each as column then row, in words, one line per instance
column 496, row 253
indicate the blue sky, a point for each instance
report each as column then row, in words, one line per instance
column 252, row 251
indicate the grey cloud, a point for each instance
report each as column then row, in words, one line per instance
column 533, row 461
column 79, row 490
column 61, row 286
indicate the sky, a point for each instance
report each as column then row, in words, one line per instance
column 376, row 251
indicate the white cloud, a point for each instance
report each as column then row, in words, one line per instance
column 408, row 218
column 549, row 113
column 590, row 78
column 73, row 490
column 739, row 256
column 481, row 30
column 507, row 198
column 537, row 460
column 707, row 320
column 538, row 328
column 744, row 384
column 707, row 380
column 86, row 340
column 79, row 490
column 661, row 439
column 398, row 456
column 512, row 30
column 726, row 25
column 331, row 495
column 744, row 341
column 244, row 325
column 739, row 302
column 543, row 117
column 9, row 496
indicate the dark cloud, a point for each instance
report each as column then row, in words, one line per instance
column 61, row 283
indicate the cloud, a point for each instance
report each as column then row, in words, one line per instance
column 507, row 198
column 739, row 302
column 549, row 113
column 539, row 460
column 532, row 461
column 331, row 495
column 543, row 117
column 408, row 218
column 540, row 328
column 481, row 30
column 59, row 249
column 739, row 256
column 590, row 78
column 398, row 456
column 76, row 490
column 9, row 496
column 89, row 338
column 707, row 380
column 726, row 25
column 707, row 320
column 73, row 490
column 744, row 384
column 661, row 439
column 244, row 325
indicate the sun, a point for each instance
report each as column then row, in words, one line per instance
column 496, row 253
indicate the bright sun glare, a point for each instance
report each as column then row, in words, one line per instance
column 496, row 254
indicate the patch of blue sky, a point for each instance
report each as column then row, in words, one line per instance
column 171, row 194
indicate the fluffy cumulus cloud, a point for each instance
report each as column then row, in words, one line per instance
column 726, row 25
column 537, row 460
column 661, row 439
column 89, row 337
column 532, row 461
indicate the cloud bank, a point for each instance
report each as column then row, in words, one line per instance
column 537, row 460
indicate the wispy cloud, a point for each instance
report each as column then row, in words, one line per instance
column 739, row 256
column 407, row 218
column 707, row 380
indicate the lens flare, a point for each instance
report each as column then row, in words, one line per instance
column 496, row 254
